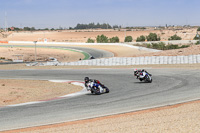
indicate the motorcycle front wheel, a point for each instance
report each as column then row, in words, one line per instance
column 107, row 90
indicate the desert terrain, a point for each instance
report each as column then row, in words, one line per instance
column 13, row 91
column 176, row 118
column 83, row 35
column 43, row 54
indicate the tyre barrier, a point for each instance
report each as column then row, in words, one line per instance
column 117, row 61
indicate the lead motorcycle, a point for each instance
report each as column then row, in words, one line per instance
column 147, row 78
column 143, row 75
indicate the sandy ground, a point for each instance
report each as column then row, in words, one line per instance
column 178, row 118
column 192, row 50
column 19, row 91
column 119, row 51
column 43, row 54
column 83, row 35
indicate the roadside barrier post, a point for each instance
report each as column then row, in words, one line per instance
column 35, row 50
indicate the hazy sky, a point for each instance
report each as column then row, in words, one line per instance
column 66, row 13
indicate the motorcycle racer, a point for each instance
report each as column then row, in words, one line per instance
column 87, row 80
column 137, row 72
column 140, row 74
column 143, row 73
column 90, row 83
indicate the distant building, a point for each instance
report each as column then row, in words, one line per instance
column 12, row 28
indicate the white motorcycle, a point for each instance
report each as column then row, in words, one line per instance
column 145, row 77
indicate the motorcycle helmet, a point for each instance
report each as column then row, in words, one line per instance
column 135, row 72
column 86, row 79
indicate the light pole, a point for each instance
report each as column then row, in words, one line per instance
column 125, row 34
column 35, row 50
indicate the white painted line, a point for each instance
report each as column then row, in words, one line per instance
column 61, row 81
column 28, row 103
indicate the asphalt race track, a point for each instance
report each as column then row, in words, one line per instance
column 169, row 86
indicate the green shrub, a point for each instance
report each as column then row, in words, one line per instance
column 128, row 39
column 175, row 37
column 102, row 39
column 140, row 39
column 153, row 37
column 90, row 40
column 172, row 46
column 148, row 45
column 114, row 40
column 154, row 45
column 198, row 29
column 184, row 46
column 162, row 46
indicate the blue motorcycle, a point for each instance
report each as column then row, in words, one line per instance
column 97, row 88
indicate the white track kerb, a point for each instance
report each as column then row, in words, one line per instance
column 78, row 83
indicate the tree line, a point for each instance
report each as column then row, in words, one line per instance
column 28, row 29
column 151, row 37
column 93, row 26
